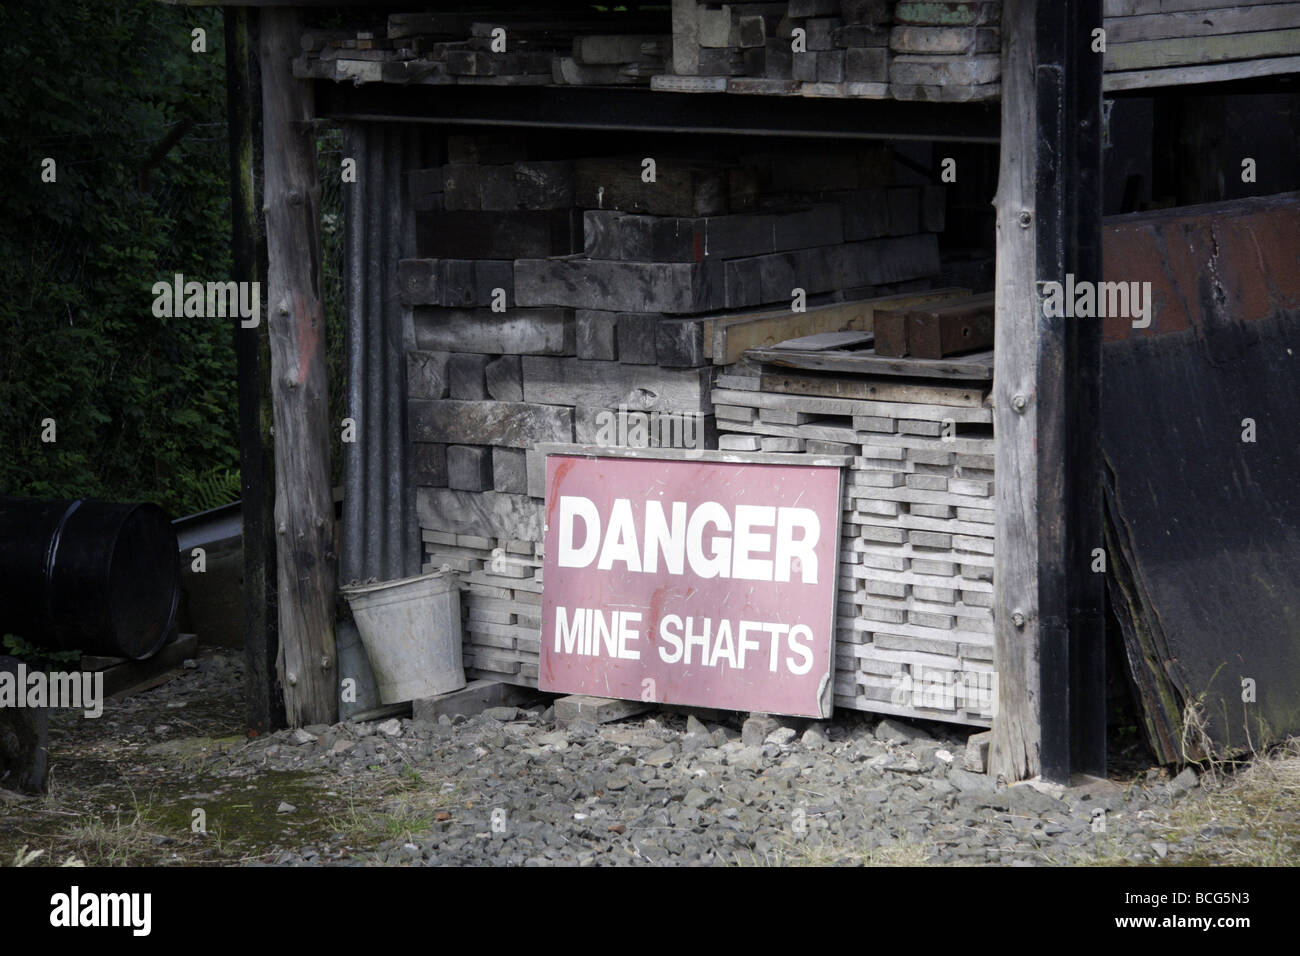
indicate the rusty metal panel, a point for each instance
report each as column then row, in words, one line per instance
column 1201, row 412
column 698, row 583
column 1237, row 261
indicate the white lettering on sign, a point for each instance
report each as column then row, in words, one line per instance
column 593, row 632
column 743, row 545
column 588, row 632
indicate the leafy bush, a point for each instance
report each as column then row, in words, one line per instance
column 144, row 407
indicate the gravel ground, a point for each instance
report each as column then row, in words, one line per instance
column 509, row 788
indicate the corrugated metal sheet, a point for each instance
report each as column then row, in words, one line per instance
column 380, row 534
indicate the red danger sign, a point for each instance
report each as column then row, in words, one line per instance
column 708, row 584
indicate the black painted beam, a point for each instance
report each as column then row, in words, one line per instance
column 601, row 108
column 1069, row 205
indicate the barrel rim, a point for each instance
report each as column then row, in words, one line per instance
column 165, row 631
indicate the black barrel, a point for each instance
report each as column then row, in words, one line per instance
column 92, row 576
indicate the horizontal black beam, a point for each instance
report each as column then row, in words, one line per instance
column 643, row 110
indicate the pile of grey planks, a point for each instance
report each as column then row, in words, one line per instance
column 470, row 423
column 946, row 52
column 914, row 621
column 1151, row 43
column 803, row 47
column 508, row 47
column 560, row 300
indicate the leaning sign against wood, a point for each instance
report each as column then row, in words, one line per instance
column 688, row 582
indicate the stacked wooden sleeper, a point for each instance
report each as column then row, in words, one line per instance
column 946, row 52
column 914, row 632
column 609, row 327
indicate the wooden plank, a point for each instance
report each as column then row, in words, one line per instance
column 930, row 13
column 679, row 343
column 1150, row 54
column 891, row 333
column 1127, row 8
column 1217, row 21
column 124, row 677
column 952, row 328
column 504, row 379
column 948, row 41
column 497, row 235
column 696, row 454
column 478, row 187
column 837, row 406
column 686, row 38
column 555, row 381
column 456, row 283
column 821, row 341
column 519, row 331
column 671, row 287
column 839, row 386
column 679, row 188
column 543, row 184
column 512, row 424
column 488, row 514
column 945, row 70
column 471, row 700
column 598, row 710
column 978, row 366
column 618, row 48
column 611, row 234
column 469, row 468
column 1208, row 73
column 734, row 334
column 304, row 509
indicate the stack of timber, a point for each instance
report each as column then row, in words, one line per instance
column 612, row 60
column 946, row 52
column 804, row 47
column 470, row 424
column 936, row 50
column 914, row 631
column 583, row 300
column 1174, row 42
column 501, row 47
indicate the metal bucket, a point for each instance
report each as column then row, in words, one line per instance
column 411, row 631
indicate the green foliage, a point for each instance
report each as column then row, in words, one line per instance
column 212, row 489
column 145, row 407
column 37, row 657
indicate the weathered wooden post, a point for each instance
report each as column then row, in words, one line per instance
column 1049, row 637
column 264, row 702
column 304, row 508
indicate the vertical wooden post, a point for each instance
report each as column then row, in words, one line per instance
column 304, row 507
column 1049, row 643
column 264, row 701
